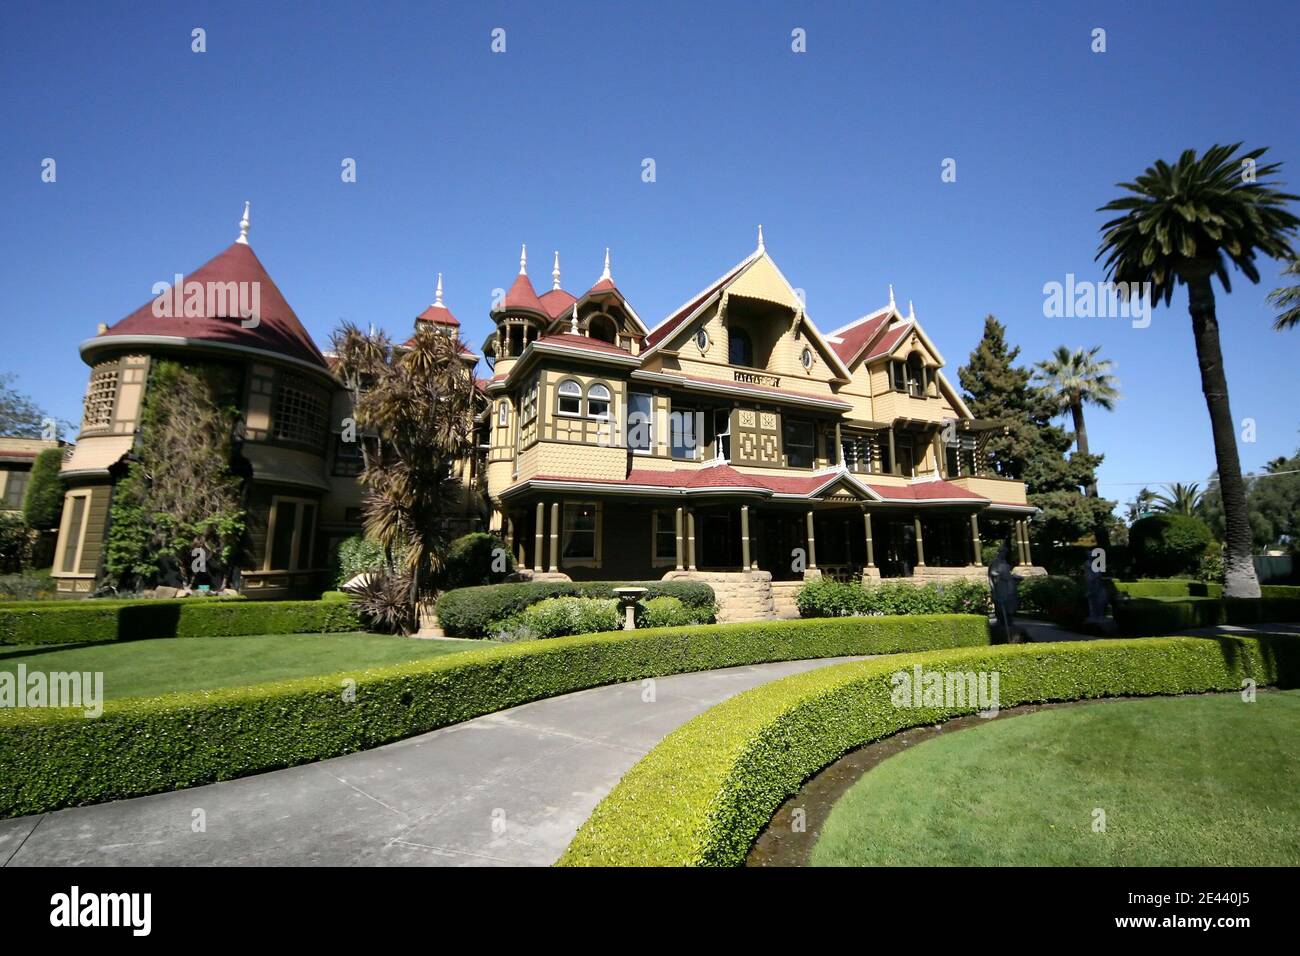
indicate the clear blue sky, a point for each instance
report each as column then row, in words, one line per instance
column 462, row 154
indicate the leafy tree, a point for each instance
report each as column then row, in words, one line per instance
column 419, row 401
column 1273, row 499
column 1180, row 499
column 1072, row 379
column 1287, row 298
column 179, row 505
column 1167, row 545
column 1181, row 225
column 43, row 503
column 1029, row 447
column 20, row 417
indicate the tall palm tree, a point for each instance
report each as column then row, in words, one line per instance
column 1140, row 504
column 1179, row 499
column 1074, row 379
column 1176, row 227
column 1287, row 298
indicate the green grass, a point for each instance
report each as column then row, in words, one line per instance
column 149, row 668
column 1191, row 781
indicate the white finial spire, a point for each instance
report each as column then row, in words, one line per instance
column 573, row 320
column 523, row 259
column 605, row 274
column 555, row 272
column 437, row 294
column 891, row 297
column 910, row 313
column 761, row 247
column 243, row 226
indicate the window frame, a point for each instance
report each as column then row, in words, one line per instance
column 735, row 335
column 78, row 547
column 677, row 415
column 786, row 425
column 568, row 532
column 310, row 393
column 295, row 542
column 561, row 397
column 650, row 431
column 657, row 516
column 608, row 402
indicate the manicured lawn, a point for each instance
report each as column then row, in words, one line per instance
column 146, row 668
column 1194, row 781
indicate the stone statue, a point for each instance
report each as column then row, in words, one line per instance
column 1002, row 586
column 1097, row 592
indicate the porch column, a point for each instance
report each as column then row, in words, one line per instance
column 812, row 544
column 744, row 537
column 555, row 536
column 920, row 543
column 681, row 544
column 838, row 457
column 1024, row 531
column 976, row 549
column 509, row 534
column 893, row 455
column 690, row 540
column 1020, row 543
column 538, row 564
column 938, row 456
column 871, row 551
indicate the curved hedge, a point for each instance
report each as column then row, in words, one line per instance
column 701, row 796
column 469, row 612
column 51, row 758
column 1142, row 617
column 95, row 621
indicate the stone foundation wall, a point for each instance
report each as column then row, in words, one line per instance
column 742, row 595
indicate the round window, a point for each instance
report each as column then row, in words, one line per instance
column 702, row 340
column 806, row 359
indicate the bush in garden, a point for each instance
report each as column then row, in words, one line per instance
column 469, row 560
column 671, row 612
column 824, row 597
column 1169, row 545
column 357, row 555
column 1054, row 597
column 563, row 616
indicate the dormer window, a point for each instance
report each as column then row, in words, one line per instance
column 603, row 329
column 598, row 402
column 570, row 398
column 740, row 349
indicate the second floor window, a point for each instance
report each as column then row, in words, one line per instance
column 740, row 350
column 570, row 398
column 640, row 421
column 503, row 414
column 299, row 413
column 98, row 411
column 597, row 401
column 800, row 443
column 685, row 427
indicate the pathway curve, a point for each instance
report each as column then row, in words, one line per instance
column 507, row 789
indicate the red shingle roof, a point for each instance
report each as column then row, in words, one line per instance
column 557, row 302
column 854, row 338
column 277, row 331
column 924, row 491
column 670, row 324
column 523, row 296
column 569, row 340
column 437, row 314
column 889, row 340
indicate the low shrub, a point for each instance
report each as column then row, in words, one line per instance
column 335, row 596
column 58, row 758
column 562, row 616
column 1167, row 545
column 66, row 622
column 471, row 612
column 668, row 611
column 469, row 561
column 27, row 586
column 1054, row 597
column 701, row 796
column 1139, row 617
column 1169, row 587
column 824, row 597
column 356, row 555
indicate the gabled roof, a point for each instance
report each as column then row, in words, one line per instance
column 557, row 302
column 277, row 330
column 849, row 340
column 669, row 325
column 889, row 341
column 438, row 315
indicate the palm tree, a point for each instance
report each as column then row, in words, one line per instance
column 1140, row 504
column 1074, row 379
column 1181, row 499
column 1287, row 298
column 1176, row 227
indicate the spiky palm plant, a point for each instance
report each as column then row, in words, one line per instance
column 1076, row 378
column 1182, row 225
column 1179, row 499
column 1141, row 503
column 1287, row 298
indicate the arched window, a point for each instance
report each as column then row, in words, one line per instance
column 570, row 398
column 916, row 375
column 598, row 401
column 740, row 350
column 602, row 328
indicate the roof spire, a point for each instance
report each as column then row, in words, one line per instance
column 891, row 297
column 573, row 320
column 910, row 313
column 605, row 274
column 437, row 295
column 555, row 272
column 243, row 226
column 761, row 247
column 523, row 259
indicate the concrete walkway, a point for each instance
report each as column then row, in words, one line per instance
column 507, row 789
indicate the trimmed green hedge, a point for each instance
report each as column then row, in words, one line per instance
column 701, row 796
column 470, row 612
column 1140, row 617
column 67, row 622
column 1181, row 587
column 826, row 597
column 52, row 758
